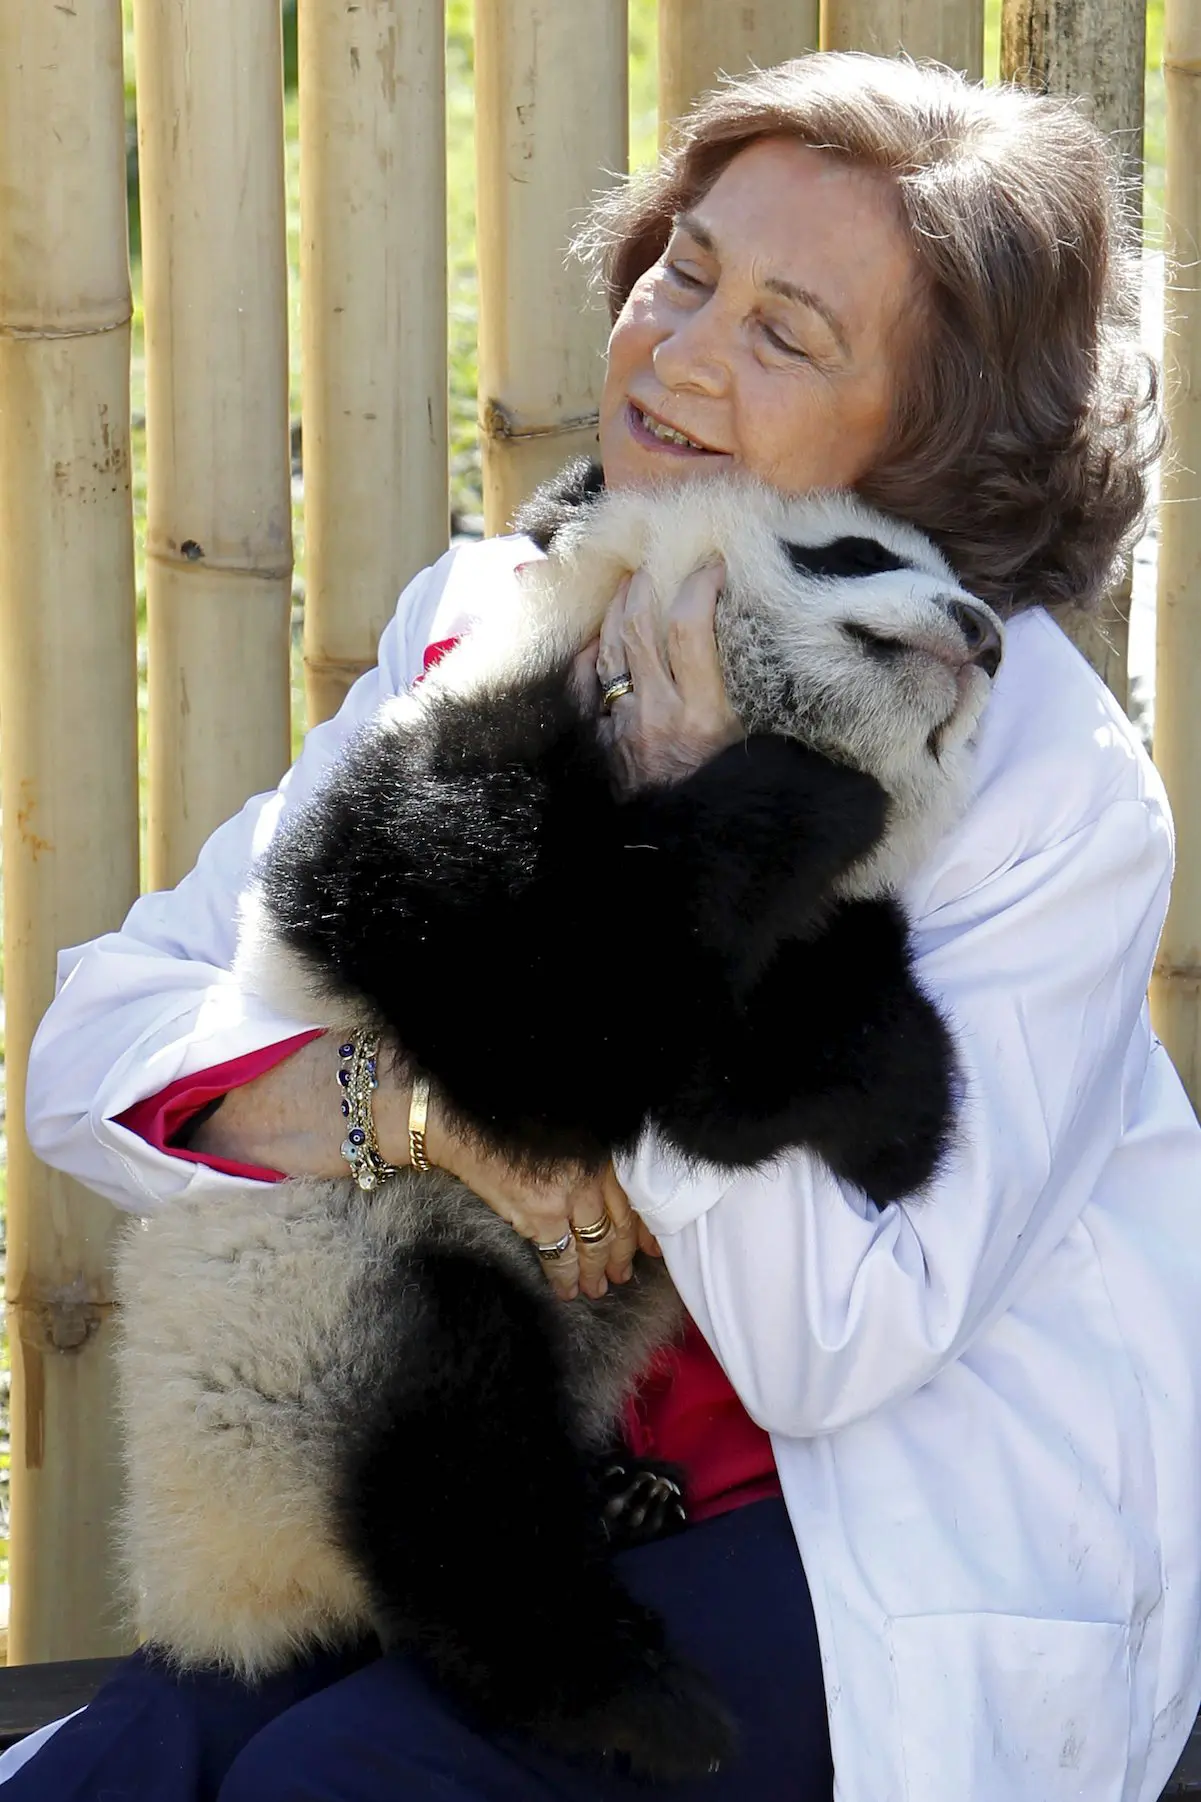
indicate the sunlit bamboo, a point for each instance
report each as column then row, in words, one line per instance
column 1091, row 50
column 950, row 31
column 68, row 774
column 219, row 527
column 1176, row 990
column 700, row 39
column 373, row 306
column 545, row 144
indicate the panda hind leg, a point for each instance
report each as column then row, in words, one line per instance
column 473, row 1518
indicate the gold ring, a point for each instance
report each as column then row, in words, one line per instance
column 613, row 691
column 593, row 1235
column 551, row 1252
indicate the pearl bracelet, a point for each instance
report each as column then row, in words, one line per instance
column 358, row 1080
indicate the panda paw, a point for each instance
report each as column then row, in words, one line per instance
column 641, row 1500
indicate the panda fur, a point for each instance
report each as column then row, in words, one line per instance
column 348, row 1413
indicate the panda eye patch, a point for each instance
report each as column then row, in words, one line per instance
column 844, row 557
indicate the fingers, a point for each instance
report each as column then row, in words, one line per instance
column 691, row 641
column 604, row 1257
column 611, row 653
column 589, row 1214
column 645, row 656
column 623, row 1244
column 647, row 1241
column 584, row 683
column 551, row 1213
column 562, row 1273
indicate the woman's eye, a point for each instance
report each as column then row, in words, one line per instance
column 774, row 338
column 682, row 276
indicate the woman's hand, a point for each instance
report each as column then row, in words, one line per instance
column 544, row 1211
column 677, row 715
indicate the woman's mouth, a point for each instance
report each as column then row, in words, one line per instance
column 654, row 434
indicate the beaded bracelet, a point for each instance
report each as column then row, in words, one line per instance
column 358, row 1080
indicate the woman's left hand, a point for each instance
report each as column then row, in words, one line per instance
column 677, row 715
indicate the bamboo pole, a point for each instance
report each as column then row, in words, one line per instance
column 373, row 309
column 1176, row 988
column 219, row 535
column 68, row 777
column 701, row 39
column 544, row 145
column 1093, row 50
column 949, row 31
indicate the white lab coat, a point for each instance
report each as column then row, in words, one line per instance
column 984, row 1402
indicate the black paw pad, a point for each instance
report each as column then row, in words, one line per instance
column 641, row 1502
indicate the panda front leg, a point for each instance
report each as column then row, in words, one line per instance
column 472, row 1515
column 749, row 849
column 836, row 1049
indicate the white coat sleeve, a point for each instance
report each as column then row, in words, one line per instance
column 139, row 1008
column 822, row 1309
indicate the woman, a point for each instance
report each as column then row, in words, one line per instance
column 982, row 1403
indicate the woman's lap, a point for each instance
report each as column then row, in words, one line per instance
column 735, row 1600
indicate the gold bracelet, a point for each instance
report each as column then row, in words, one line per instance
column 358, row 1081
column 419, row 1105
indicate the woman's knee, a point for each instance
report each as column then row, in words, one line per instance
column 374, row 1737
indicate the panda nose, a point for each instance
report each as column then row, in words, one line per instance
column 979, row 633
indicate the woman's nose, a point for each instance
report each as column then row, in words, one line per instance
column 687, row 359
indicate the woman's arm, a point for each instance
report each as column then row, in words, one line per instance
column 822, row 1309
column 289, row 1118
column 139, row 1008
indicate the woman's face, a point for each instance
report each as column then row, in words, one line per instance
column 769, row 331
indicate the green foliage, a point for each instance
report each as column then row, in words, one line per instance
column 291, row 57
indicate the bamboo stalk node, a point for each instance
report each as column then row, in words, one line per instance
column 63, row 1319
column 499, row 422
column 190, row 554
column 109, row 322
column 343, row 669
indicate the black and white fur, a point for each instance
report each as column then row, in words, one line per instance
column 349, row 1413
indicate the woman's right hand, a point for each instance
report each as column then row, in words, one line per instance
column 543, row 1211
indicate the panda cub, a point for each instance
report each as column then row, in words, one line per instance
column 350, row 1413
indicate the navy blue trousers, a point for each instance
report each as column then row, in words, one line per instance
column 369, row 1729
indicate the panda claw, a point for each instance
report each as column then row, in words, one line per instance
column 643, row 1502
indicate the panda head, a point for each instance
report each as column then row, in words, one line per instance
column 837, row 626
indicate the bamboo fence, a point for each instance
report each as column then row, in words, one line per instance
column 219, row 524
column 551, row 126
column 544, row 145
column 1176, row 989
column 1094, row 50
column 373, row 310
column 68, row 778
column 699, row 39
column 949, row 33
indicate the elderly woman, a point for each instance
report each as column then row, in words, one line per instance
column 945, row 1458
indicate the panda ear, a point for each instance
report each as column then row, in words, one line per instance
column 843, row 557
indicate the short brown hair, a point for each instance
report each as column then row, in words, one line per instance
column 1026, row 418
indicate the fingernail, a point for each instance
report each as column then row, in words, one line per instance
column 602, row 1288
column 570, row 1294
